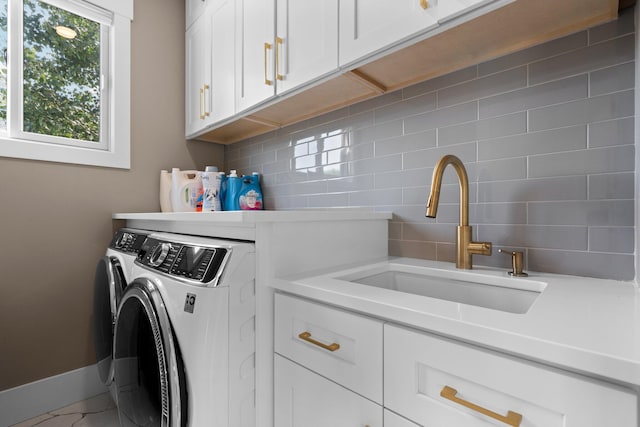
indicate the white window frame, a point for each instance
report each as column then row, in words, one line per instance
column 116, row 153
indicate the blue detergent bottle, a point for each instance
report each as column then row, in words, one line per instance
column 231, row 192
column 250, row 198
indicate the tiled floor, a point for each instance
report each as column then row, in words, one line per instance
column 99, row 411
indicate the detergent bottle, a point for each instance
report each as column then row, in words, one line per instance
column 233, row 184
column 211, row 189
column 165, row 191
column 250, row 197
column 186, row 189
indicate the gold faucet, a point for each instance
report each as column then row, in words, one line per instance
column 465, row 247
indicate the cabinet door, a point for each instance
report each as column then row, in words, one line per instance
column 446, row 10
column 198, row 74
column 306, row 42
column 255, row 44
column 395, row 420
column 193, row 10
column 438, row 382
column 367, row 26
column 305, row 399
column 220, row 100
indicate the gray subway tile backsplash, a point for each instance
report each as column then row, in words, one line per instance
column 613, row 132
column 546, row 135
column 598, row 160
column 584, row 111
column 585, row 212
column 526, row 98
column 526, row 144
column 612, row 186
column 612, row 79
column 590, row 58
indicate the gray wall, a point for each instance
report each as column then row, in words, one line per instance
column 546, row 134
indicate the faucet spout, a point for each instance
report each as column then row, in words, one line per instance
column 465, row 247
column 436, row 183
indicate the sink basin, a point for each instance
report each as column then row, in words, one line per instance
column 513, row 295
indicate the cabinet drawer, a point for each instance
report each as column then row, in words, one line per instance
column 344, row 347
column 305, row 399
column 485, row 388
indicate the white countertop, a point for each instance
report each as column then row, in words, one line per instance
column 253, row 217
column 239, row 224
column 587, row 325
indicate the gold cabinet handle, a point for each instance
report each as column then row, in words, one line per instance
column 424, row 4
column 204, row 97
column 202, row 103
column 279, row 42
column 512, row 418
column 306, row 336
column 267, row 46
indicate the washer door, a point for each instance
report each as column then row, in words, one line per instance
column 108, row 285
column 149, row 375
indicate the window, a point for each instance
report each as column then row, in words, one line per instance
column 64, row 80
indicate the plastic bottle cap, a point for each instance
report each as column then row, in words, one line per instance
column 211, row 169
column 233, row 173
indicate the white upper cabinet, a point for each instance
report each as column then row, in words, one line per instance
column 255, row 44
column 193, row 9
column 449, row 9
column 222, row 102
column 370, row 25
column 210, row 67
column 304, row 47
column 198, row 74
column 306, row 43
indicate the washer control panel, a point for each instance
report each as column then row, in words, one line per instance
column 127, row 241
column 199, row 264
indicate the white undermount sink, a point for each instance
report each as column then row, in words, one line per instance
column 509, row 294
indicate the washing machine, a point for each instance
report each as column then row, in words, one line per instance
column 184, row 345
column 113, row 273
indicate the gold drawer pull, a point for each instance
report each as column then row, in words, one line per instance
column 512, row 418
column 307, row 337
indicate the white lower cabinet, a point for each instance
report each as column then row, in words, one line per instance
column 306, row 399
column 394, row 420
column 341, row 346
column 438, row 382
column 331, row 367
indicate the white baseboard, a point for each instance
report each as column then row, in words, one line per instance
column 30, row 400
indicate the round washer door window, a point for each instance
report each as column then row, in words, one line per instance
column 149, row 375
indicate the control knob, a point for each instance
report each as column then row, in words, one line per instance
column 124, row 240
column 159, row 254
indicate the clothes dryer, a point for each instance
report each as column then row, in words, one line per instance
column 113, row 273
column 184, row 346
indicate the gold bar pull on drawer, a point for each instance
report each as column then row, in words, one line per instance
column 306, row 336
column 512, row 418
